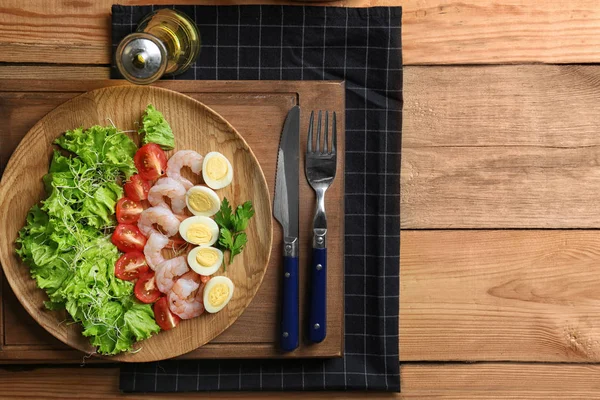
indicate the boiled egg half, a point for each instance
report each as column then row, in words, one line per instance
column 216, row 170
column 199, row 230
column 205, row 260
column 202, row 201
column 217, row 293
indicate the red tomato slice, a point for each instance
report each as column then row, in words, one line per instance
column 163, row 316
column 136, row 188
column 145, row 288
column 128, row 237
column 150, row 161
column 130, row 265
column 128, row 211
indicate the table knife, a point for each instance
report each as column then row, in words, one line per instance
column 285, row 210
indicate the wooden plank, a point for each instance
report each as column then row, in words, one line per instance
column 494, row 32
column 499, row 381
column 102, row 383
column 252, row 334
column 501, row 147
column 419, row 381
column 434, row 31
column 504, row 295
column 54, row 72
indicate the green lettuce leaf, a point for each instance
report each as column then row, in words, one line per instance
column 139, row 319
column 156, row 129
column 67, row 247
column 99, row 208
column 102, row 148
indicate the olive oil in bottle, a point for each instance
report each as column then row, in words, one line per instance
column 166, row 42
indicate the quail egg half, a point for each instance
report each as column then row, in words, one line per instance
column 205, row 260
column 199, row 230
column 217, row 293
column 216, row 170
column 202, row 201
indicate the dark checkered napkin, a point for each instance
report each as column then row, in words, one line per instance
column 361, row 46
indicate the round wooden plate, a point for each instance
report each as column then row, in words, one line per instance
column 196, row 127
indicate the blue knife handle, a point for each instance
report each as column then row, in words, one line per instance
column 290, row 314
column 318, row 299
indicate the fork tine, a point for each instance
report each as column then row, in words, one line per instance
column 334, row 133
column 318, row 146
column 310, row 133
column 325, row 145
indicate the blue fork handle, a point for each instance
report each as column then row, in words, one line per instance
column 317, row 328
column 290, row 314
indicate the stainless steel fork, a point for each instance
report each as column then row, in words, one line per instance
column 320, row 166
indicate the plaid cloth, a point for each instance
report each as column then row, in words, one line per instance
column 362, row 47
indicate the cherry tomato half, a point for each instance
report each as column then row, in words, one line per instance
column 136, row 188
column 150, row 161
column 130, row 265
column 145, row 288
column 163, row 316
column 128, row 211
column 128, row 237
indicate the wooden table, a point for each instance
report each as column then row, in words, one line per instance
column 500, row 278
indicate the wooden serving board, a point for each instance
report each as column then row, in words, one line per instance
column 257, row 110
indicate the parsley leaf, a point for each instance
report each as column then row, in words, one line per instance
column 223, row 216
column 226, row 238
column 242, row 215
column 232, row 225
column 238, row 245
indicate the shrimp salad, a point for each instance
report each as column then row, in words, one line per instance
column 164, row 257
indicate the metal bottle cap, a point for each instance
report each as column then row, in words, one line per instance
column 141, row 58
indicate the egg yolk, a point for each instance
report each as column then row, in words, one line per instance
column 199, row 234
column 207, row 257
column 218, row 294
column 216, row 168
column 200, row 201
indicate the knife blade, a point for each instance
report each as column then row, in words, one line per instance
column 285, row 210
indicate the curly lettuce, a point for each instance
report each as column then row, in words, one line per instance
column 66, row 241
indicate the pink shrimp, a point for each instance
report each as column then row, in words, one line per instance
column 186, row 296
column 181, row 159
column 162, row 216
column 168, row 271
column 171, row 188
column 153, row 249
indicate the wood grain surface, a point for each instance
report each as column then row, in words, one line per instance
column 492, row 381
column 519, row 295
column 254, row 333
column 501, row 147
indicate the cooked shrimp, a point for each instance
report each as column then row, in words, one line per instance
column 186, row 296
column 182, row 159
column 168, row 270
column 162, row 216
column 171, row 188
column 153, row 249
column 181, row 217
